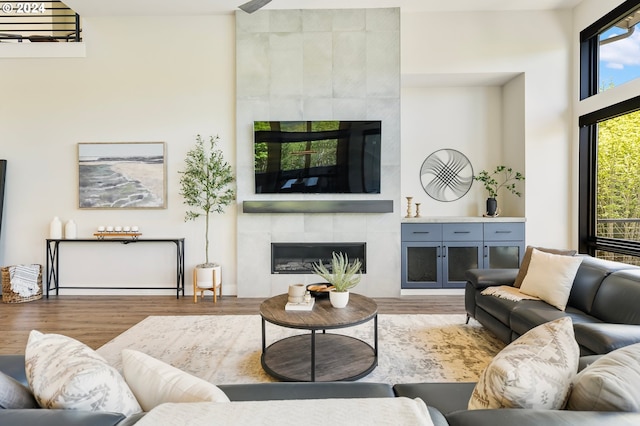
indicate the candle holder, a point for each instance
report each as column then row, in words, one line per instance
column 417, row 210
column 409, row 206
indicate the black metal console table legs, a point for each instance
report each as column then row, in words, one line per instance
column 53, row 262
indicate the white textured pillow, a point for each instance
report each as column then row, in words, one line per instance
column 611, row 383
column 533, row 371
column 550, row 277
column 66, row 374
column 154, row 382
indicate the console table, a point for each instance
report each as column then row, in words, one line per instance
column 53, row 261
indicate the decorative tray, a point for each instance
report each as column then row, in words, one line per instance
column 113, row 234
column 319, row 290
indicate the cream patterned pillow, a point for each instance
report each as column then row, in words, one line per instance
column 66, row 374
column 534, row 371
column 153, row 382
column 611, row 383
column 550, row 277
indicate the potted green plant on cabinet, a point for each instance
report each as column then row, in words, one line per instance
column 342, row 277
column 502, row 177
column 206, row 186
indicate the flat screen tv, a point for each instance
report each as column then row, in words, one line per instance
column 321, row 157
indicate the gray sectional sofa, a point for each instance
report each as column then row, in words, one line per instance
column 447, row 403
column 603, row 304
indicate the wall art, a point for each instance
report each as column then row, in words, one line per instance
column 130, row 175
column 446, row 175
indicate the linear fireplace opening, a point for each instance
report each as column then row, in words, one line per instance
column 298, row 258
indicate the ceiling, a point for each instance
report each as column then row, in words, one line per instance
column 88, row 8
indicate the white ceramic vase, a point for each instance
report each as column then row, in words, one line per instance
column 55, row 229
column 70, row 230
column 339, row 299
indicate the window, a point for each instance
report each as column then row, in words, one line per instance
column 610, row 50
column 609, row 175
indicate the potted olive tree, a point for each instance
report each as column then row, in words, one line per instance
column 205, row 185
column 342, row 277
column 502, row 177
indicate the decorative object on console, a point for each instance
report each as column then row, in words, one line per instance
column 501, row 177
column 446, row 175
column 55, row 229
column 122, row 175
column 70, row 230
column 341, row 277
column 205, row 185
column 409, row 211
column 417, row 210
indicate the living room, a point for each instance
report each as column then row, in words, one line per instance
column 132, row 88
column 498, row 84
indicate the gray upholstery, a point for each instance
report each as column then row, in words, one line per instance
column 293, row 390
column 602, row 305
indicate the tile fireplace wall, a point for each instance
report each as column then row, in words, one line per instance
column 318, row 65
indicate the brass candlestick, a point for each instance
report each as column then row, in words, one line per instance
column 409, row 206
column 417, row 210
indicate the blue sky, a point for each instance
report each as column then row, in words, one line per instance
column 620, row 60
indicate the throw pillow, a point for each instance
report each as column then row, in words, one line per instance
column 533, row 371
column 526, row 259
column 550, row 277
column 67, row 374
column 14, row 394
column 611, row 383
column 153, row 382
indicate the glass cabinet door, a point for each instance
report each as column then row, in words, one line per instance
column 503, row 255
column 421, row 265
column 459, row 257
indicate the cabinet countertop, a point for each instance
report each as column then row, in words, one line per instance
column 461, row 219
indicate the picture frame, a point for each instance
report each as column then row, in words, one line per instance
column 122, row 175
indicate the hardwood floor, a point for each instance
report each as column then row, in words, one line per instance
column 95, row 320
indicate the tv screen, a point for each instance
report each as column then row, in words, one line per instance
column 329, row 157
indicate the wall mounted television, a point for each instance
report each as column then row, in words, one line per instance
column 321, row 157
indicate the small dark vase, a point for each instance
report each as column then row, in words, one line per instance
column 492, row 206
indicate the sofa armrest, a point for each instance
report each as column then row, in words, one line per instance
column 483, row 278
column 531, row 417
column 302, row 390
column 445, row 397
column 45, row 417
column 13, row 366
column 602, row 338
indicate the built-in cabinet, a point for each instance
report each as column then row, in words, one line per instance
column 437, row 255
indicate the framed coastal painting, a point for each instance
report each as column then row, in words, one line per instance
column 122, row 175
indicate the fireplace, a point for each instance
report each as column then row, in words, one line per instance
column 298, row 258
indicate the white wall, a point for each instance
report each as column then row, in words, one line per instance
column 536, row 45
column 467, row 119
column 143, row 79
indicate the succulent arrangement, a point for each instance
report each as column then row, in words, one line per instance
column 342, row 275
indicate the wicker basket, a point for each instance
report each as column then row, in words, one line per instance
column 8, row 296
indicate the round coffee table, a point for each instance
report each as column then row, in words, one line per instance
column 319, row 357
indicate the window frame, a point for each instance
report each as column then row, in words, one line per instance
column 588, row 240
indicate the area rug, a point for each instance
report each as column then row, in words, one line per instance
column 225, row 349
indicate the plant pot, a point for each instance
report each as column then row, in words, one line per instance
column 207, row 276
column 492, row 207
column 339, row 299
